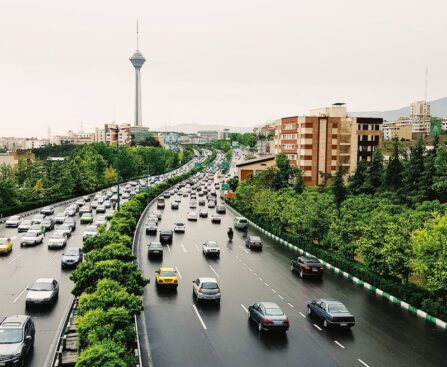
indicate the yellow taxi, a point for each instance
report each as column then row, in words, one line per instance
column 5, row 245
column 166, row 277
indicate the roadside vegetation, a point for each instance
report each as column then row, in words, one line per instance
column 387, row 225
column 83, row 169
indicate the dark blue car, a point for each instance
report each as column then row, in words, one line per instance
column 331, row 312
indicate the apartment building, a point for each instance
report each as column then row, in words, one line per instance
column 117, row 134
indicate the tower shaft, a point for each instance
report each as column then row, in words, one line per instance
column 138, row 117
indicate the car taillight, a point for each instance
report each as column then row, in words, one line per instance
column 321, row 268
column 266, row 320
column 307, row 267
column 286, row 321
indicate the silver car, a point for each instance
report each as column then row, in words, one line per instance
column 31, row 238
column 206, row 289
column 90, row 231
column 43, row 291
column 57, row 240
column 24, row 225
column 14, row 221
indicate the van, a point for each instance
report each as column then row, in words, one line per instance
column 160, row 203
column 240, row 222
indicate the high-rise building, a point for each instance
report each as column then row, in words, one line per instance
column 137, row 60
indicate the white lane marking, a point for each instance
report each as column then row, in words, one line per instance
column 169, row 248
column 12, row 260
column 366, row 365
column 250, row 269
column 339, row 344
column 214, row 271
column 183, row 247
column 303, row 315
column 280, row 296
column 261, row 279
column 266, row 284
column 52, row 258
column 13, row 237
column 20, row 295
column 196, row 247
column 291, row 305
column 247, row 251
column 319, row 328
column 199, row 317
column 256, row 274
column 245, row 308
column 273, row 290
column 244, row 263
column 178, row 272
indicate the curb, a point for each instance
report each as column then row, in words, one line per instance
column 413, row 310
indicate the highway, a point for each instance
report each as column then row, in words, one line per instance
column 183, row 333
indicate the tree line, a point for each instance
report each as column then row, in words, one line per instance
column 387, row 224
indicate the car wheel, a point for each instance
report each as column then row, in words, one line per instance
column 301, row 273
column 291, row 268
column 309, row 310
column 325, row 324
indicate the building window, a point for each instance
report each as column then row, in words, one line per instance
column 364, row 127
column 377, row 127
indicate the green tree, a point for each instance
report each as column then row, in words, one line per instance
column 105, row 354
column 374, row 177
column 394, row 169
column 233, row 182
column 284, row 172
column 440, row 178
column 298, row 186
column 338, row 187
column 413, row 173
column 358, row 180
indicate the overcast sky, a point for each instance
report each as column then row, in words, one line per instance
column 235, row 62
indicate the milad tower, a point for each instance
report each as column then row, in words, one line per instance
column 137, row 60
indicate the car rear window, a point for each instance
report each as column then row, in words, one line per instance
column 209, row 285
column 274, row 312
column 337, row 307
column 242, row 220
column 167, row 273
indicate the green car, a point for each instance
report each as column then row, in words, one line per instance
column 87, row 218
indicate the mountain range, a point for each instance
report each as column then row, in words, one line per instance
column 193, row 128
column 438, row 109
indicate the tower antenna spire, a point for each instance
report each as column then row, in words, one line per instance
column 426, row 84
column 138, row 37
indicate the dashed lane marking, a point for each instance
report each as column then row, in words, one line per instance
column 319, row 328
column 280, row 296
column 183, row 247
column 339, row 344
column 266, row 284
column 178, row 272
column 273, row 291
column 245, row 308
column 291, row 305
column 17, row 257
column 366, row 365
column 250, row 269
column 196, row 247
column 52, row 258
column 20, row 295
column 169, row 248
column 198, row 316
column 303, row 315
column 247, row 251
column 214, row 271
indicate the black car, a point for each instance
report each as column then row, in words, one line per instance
column 174, row 205
column 220, row 209
column 253, row 242
column 72, row 257
column 307, row 266
column 155, row 249
column 166, row 236
column 17, row 339
column 332, row 312
column 268, row 316
column 47, row 224
column 151, row 229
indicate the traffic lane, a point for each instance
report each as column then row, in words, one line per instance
column 384, row 333
column 227, row 327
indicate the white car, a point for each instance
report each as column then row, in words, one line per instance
column 101, row 220
column 192, row 216
column 14, row 221
column 179, row 227
column 216, row 218
column 211, row 248
column 157, row 213
column 43, row 291
column 206, row 289
column 70, row 211
column 31, row 238
column 90, row 231
column 57, row 240
column 153, row 218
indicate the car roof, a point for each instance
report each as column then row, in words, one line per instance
column 329, row 301
column 13, row 320
column 45, row 280
column 154, row 243
column 167, row 269
column 269, row 305
column 207, row 280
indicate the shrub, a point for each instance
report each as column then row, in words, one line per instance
column 105, row 238
column 105, row 354
column 114, row 251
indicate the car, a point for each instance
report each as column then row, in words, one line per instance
column 160, row 203
column 174, row 205
column 58, row 240
column 59, row 218
column 166, row 236
column 109, row 213
column 86, row 198
column 17, row 339
column 43, row 291
column 24, row 225
column 253, row 242
column 203, row 213
column 206, row 289
column 166, row 277
column 155, row 249
column 47, row 224
column 31, row 238
column 71, row 210
column 268, row 316
column 85, row 209
column 192, row 204
column 153, row 218
column 48, row 210
column 211, row 204
column 71, row 257
column 220, row 209
column 331, row 312
column 157, row 213
column 107, row 204
column 307, row 266
column 178, row 198
column 216, row 218
column 38, row 228
column 94, row 204
column 100, row 209
column 166, row 195
column 240, row 223
column 211, row 248
column 80, row 202
column 6, row 245
column 86, row 218
column 14, row 221
column 125, row 195
column 71, row 222
column 202, row 202
column 179, row 227
column 37, row 219
column 192, row 215
column 101, row 220
column 90, row 231
column 66, row 228
column 151, row 228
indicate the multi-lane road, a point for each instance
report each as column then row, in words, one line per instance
column 179, row 332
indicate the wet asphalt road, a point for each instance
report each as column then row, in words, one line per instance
column 384, row 335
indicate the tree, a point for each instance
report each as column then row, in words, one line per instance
column 357, row 181
column 110, row 174
column 298, row 186
column 105, row 354
column 394, row 169
column 338, row 187
column 283, row 173
column 374, row 176
column 233, row 182
column 413, row 173
column 440, row 178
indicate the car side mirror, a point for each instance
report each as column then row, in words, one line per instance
column 28, row 338
column 313, row 302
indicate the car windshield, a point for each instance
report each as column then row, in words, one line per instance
column 274, row 312
column 155, row 245
column 212, row 244
column 38, row 286
column 72, row 252
column 2, row 241
column 26, row 222
column 64, row 226
column 30, row 234
column 15, row 217
column 167, row 273
column 179, row 224
column 337, row 307
column 58, row 235
column 242, row 221
column 209, row 285
column 10, row 336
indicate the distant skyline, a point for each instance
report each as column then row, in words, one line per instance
column 236, row 63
